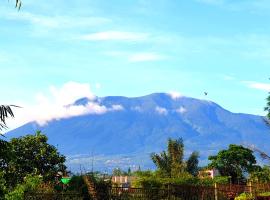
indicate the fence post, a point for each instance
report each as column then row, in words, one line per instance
column 250, row 187
column 216, row 192
column 169, row 192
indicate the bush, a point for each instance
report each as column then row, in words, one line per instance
column 264, row 194
column 3, row 188
column 30, row 184
column 245, row 196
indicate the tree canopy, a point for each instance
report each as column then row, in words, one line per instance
column 234, row 162
column 32, row 154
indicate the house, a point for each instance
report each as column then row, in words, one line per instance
column 122, row 181
column 208, row 173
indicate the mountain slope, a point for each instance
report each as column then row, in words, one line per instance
column 138, row 126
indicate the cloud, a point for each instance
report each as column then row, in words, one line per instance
column 181, row 110
column 137, row 108
column 142, row 57
column 71, row 92
column 58, row 104
column 53, row 22
column 161, row 110
column 257, row 85
column 116, row 108
column 98, row 86
column 175, row 95
column 115, row 35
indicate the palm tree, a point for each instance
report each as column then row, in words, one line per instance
column 18, row 4
column 172, row 160
column 5, row 112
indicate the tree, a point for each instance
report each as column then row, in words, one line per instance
column 5, row 112
column 32, row 154
column 171, row 163
column 234, row 162
column 192, row 163
column 267, row 108
column 261, row 176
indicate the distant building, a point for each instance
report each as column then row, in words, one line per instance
column 208, row 173
column 123, row 181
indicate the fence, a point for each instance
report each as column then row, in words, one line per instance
column 168, row 192
column 54, row 196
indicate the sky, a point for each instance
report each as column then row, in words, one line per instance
column 53, row 52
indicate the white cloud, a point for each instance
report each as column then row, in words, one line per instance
column 115, row 35
column 116, row 108
column 71, row 92
column 175, row 95
column 98, row 86
column 161, row 110
column 257, row 85
column 137, row 108
column 181, row 110
column 147, row 56
column 52, row 22
column 58, row 104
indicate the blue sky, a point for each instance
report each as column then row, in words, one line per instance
column 138, row 47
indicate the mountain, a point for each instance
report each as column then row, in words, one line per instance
column 129, row 129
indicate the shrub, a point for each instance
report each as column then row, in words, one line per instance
column 245, row 196
column 30, row 184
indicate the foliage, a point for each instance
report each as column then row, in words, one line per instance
column 4, row 154
column 234, row 162
column 192, row 163
column 5, row 112
column 148, row 179
column 267, row 107
column 221, row 179
column 30, row 184
column 264, row 194
column 3, row 188
column 18, row 4
column 32, row 154
column 245, row 196
column 170, row 163
column 261, row 176
column 77, row 184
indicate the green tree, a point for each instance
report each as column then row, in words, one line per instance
column 234, row 162
column 261, row 176
column 267, row 108
column 171, row 163
column 192, row 163
column 32, row 154
column 117, row 172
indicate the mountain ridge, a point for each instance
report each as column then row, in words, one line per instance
column 137, row 126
